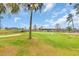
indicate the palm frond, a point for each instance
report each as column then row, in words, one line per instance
column 69, row 18
column 2, row 8
column 76, row 6
column 32, row 6
column 14, row 7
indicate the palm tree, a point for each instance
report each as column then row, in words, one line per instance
column 35, row 27
column 69, row 28
column 70, row 19
column 76, row 6
column 2, row 10
column 14, row 7
column 0, row 21
column 32, row 7
column 27, row 6
column 57, row 26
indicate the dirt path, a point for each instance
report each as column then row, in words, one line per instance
column 72, row 33
column 8, row 51
column 2, row 36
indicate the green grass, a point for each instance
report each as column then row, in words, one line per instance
column 12, row 31
column 43, row 43
column 60, row 40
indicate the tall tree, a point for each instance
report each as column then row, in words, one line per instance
column 35, row 27
column 57, row 26
column 76, row 6
column 15, row 7
column 2, row 10
column 70, row 19
column 69, row 28
column 32, row 7
column 1, row 17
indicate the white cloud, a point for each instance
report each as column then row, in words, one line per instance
column 16, row 19
column 76, row 21
column 48, row 6
column 23, row 25
column 67, row 8
column 57, row 13
column 76, row 17
column 46, row 25
column 62, row 20
column 73, row 12
column 43, row 25
column 49, row 20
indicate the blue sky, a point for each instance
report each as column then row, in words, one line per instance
column 50, row 15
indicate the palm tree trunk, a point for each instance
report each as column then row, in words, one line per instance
column 30, row 29
column 73, row 25
column 0, row 23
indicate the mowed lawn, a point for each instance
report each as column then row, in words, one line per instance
column 42, row 44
